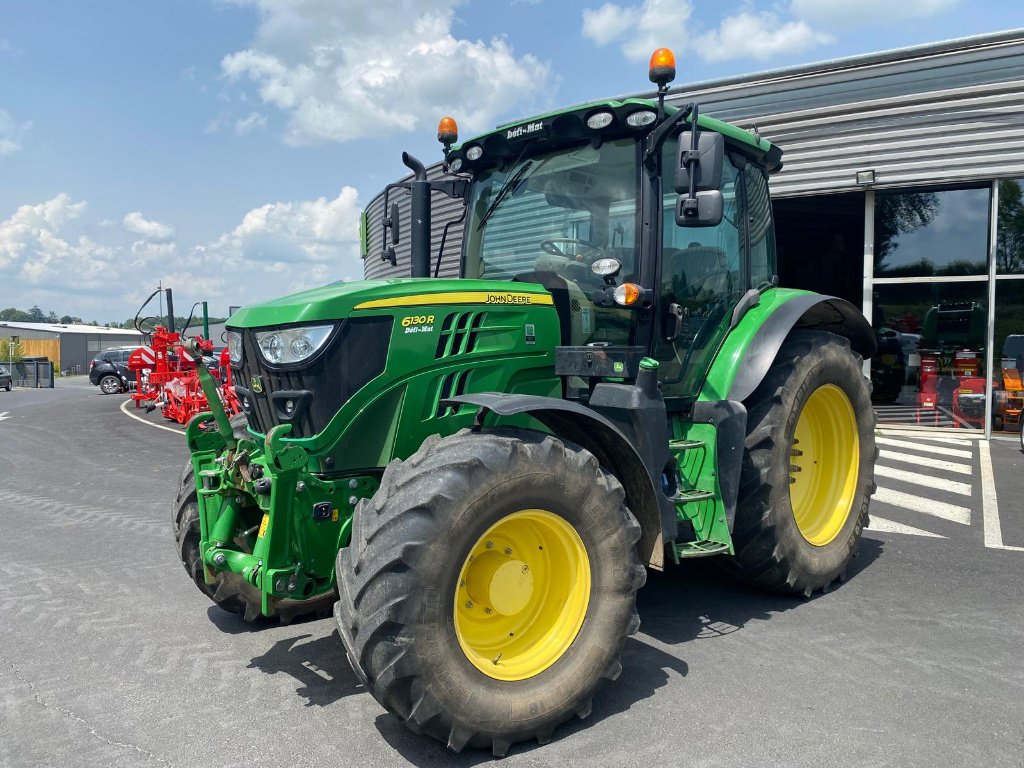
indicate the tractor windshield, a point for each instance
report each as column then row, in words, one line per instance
column 547, row 219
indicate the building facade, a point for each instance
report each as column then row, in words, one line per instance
column 902, row 192
column 68, row 347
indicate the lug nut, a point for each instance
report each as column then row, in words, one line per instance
column 469, row 603
column 508, row 550
column 490, row 545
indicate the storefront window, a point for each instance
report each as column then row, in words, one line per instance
column 1008, row 391
column 930, row 366
column 1010, row 228
column 931, row 233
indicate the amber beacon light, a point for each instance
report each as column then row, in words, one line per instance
column 663, row 67
column 447, row 131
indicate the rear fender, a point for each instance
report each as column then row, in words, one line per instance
column 753, row 345
column 590, row 430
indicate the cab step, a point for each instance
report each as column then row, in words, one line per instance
column 684, row 445
column 688, row 495
column 686, row 549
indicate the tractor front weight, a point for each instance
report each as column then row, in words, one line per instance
column 263, row 516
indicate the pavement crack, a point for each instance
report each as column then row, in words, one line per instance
column 34, row 693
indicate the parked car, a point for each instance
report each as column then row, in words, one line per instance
column 6, row 380
column 109, row 370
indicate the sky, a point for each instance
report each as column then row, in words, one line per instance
column 226, row 147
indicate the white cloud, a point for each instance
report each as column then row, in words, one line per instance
column 840, row 14
column 640, row 28
column 12, row 133
column 759, row 36
column 151, row 231
column 308, row 234
column 248, row 123
column 347, row 69
column 276, row 248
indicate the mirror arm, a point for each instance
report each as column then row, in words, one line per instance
column 658, row 136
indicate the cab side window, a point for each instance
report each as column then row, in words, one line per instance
column 760, row 231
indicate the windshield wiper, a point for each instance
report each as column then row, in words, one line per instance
column 510, row 186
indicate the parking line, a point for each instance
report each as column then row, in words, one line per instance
column 993, row 533
column 148, row 423
column 926, row 461
column 924, row 447
column 929, row 481
column 949, row 512
column 889, row 526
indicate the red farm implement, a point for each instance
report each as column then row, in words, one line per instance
column 166, row 377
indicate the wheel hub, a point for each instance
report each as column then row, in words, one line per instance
column 522, row 596
column 824, row 464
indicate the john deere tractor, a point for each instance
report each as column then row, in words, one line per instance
column 475, row 473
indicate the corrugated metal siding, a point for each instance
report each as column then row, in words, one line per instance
column 443, row 210
column 939, row 114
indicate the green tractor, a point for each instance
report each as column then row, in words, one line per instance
column 475, row 473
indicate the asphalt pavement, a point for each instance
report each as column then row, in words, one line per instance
column 109, row 655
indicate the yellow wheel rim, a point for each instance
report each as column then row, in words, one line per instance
column 522, row 595
column 824, row 464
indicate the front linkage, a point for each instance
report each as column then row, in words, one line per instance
column 268, row 529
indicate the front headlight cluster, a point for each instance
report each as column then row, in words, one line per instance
column 292, row 345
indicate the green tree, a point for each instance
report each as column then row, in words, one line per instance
column 1010, row 228
column 900, row 214
column 11, row 351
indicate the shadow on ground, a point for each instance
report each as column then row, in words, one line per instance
column 318, row 665
column 693, row 601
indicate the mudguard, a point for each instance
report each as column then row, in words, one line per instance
column 589, row 429
column 804, row 310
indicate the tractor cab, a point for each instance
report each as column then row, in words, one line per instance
column 649, row 226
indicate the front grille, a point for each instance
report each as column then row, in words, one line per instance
column 356, row 353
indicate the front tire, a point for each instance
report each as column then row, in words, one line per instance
column 489, row 586
column 808, row 469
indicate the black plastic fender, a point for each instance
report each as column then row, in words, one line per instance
column 812, row 312
column 589, row 429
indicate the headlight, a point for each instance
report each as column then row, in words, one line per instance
column 292, row 345
column 235, row 347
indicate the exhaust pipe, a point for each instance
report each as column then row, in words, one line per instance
column 419, row 230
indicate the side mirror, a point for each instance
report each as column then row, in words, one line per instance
column 393, row 219
column 705, row 211
column 707, row 169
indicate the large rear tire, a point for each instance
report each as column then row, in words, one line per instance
column 808, row 468
column 230, row 591
column 489, row 586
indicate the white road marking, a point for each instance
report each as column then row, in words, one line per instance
column 5, row 415
column 966, row 441
column 993, row 531
column 888, row 526
column 924, row 448
column 949, row 512
column 148, row 423
column 881, row 470
column 926, row 461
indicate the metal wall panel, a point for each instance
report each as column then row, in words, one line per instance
column 946, row 113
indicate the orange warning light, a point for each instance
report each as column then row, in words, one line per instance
column 662, row 70
column 447, row 131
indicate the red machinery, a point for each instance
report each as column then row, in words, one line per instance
column 166, row 377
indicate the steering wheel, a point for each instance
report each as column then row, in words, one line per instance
column 552, row 246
